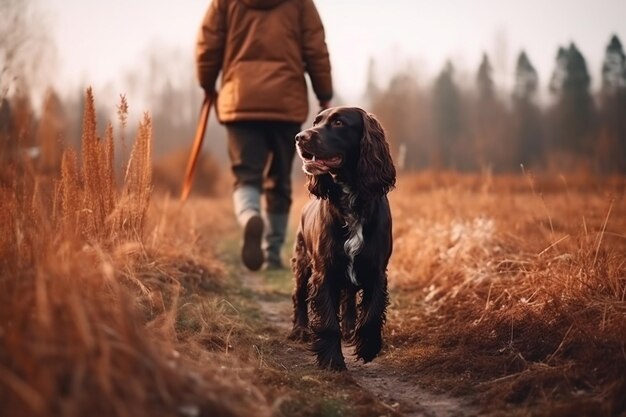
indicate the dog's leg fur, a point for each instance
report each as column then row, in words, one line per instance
column 325, row 298
column 302, row 271
column 372, row 312
column 348, row 313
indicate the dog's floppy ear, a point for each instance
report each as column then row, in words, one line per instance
column 377, row 175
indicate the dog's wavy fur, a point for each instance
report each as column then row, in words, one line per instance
column 344, row 240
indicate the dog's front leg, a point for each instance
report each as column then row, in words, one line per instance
column 325, row 297
column 368, row 333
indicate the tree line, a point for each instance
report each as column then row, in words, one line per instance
column 446, row 126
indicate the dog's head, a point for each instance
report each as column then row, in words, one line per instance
column 348, row 145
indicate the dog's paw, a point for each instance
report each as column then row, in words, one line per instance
column 334, row 363
column 300, row 334
column 367, row 348
column 327, row 348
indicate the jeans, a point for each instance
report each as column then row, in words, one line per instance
column 261, row 155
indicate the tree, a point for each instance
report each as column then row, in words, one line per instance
column 612, row 146
column 614, row 68
column 484, row 79
column 573, row 115
column 526, row 79
column 447, row 116
column 398, row 108
column 527, row 121
column 26, row 51
column 489, row 147
column 560, row 71
column 25, row 55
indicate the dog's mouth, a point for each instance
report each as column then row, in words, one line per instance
column 315, row 164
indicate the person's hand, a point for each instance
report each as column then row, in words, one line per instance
column 210, row 94
column 324, row 105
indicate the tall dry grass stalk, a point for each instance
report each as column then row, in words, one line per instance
column 135, row 199
column 87, row 327
column 91, row 202
column 91, row 212
column 70, row 200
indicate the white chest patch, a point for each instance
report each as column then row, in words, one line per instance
column 353, row 245
column 354, row 239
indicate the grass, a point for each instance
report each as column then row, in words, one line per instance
column 517, row 295
column 99, row 315
column 115, row 301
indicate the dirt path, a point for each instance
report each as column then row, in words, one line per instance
column 393, row 389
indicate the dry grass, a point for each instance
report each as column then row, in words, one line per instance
column 97, row 316
column 512, row 288
column 513, row 292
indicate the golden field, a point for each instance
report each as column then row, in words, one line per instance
column 508, row 292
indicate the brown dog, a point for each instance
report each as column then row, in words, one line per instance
column 344, row 240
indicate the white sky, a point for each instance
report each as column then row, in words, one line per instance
column 98, row 41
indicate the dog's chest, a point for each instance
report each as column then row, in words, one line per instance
column 353, row 227
column 353, row 245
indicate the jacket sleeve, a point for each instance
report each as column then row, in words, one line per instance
column 210, row 45
column 315, row 52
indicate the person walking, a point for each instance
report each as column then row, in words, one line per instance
column 263, row 49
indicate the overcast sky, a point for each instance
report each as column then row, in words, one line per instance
column 98, row 40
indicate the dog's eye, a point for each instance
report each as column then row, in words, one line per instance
column 337, row 123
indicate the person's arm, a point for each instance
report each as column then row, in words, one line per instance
column 324, row 105
column 210, row 46
column 315, row 52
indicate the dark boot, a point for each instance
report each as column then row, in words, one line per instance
column 251, row 253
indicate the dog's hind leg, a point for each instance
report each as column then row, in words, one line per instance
column 325, row 299
column 368, row 333
column 302, row 272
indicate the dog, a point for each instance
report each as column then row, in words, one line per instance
column 344, row 239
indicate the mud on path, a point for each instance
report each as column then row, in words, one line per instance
column 396, row 392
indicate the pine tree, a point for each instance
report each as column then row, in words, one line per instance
column 614, row 68
column 560, row 72
column 612, row 146
column 399, row 108
column 489, row 119
column 526, row 79
column 527, row 124
column 484, row 79
column 447, row 117
column 573, row 115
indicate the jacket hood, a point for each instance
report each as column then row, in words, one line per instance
column 262, row 4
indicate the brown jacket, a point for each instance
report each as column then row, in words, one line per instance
column 263, row 48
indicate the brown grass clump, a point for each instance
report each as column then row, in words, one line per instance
column 91, row 321
column 517, row 294
column 137, row 188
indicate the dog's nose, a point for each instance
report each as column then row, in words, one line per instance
column 300, row 137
